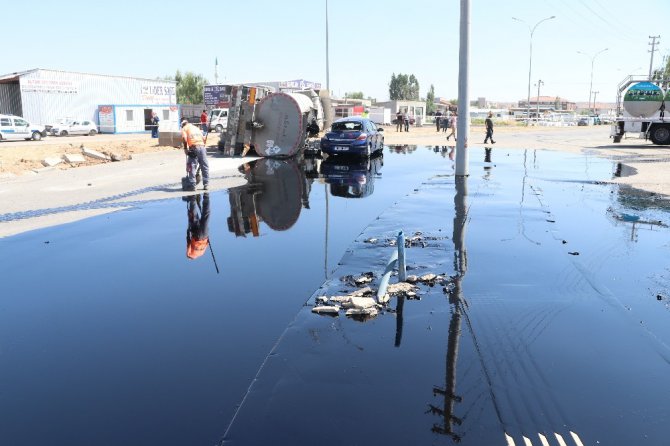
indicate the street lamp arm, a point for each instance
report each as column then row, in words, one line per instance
column 538, row 23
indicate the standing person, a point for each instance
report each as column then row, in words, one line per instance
column 446, row 121
column 196, row 154
column 398, row 121
column 405, row 118
column 203, row 121
column 197, row 233
column 452, row 125
column 154, row 125
column 438, row 116
column 662, row 109
column 489, row 129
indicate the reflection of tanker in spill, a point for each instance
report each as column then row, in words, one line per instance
column 275, row 194
column 351, row 177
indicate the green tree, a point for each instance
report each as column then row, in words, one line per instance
column 430, row 100
column 663, row 73
column 354, row 95
column 404, row 87
column 190, row 87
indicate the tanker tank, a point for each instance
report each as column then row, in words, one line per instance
column 643, row 99
column 281, row 120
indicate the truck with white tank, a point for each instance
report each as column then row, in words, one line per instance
column 273, row 124
column 640, row 110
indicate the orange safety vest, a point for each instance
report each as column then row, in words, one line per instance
column 196, row 248
column 192, row 136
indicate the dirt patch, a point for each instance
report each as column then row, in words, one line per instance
column 17, row 158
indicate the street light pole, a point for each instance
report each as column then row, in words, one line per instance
column 539, row 83
column 530, row 57
column 593, row 59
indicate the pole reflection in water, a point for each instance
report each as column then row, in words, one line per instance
column 448, row 393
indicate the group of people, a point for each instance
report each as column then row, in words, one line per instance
column 450, row 121
column 447, row 122
column 401, row 121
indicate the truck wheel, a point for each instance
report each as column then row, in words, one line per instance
column 37, row 136
column 660, row 135
column 63, row 133
column 218, row 128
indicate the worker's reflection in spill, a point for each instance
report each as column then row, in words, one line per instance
column 197, row 234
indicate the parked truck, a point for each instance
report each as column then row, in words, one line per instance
column 640, row 110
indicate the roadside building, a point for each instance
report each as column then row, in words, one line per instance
column 118, row 104
column 415, row 109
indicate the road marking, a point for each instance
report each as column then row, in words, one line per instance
column 560, row 439
column 527, row 441
column 510, row 440
column 577, row 439
column 543, row 440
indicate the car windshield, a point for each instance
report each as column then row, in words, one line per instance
column 351, row 126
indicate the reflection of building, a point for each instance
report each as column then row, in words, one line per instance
column 43, row 96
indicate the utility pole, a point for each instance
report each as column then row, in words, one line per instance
column 594, row 102
column 653, row 48
column 327, row 62
column 539, row 83
column 463, row 94
column 216, row 71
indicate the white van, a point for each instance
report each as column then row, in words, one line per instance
column 218, row 119
column 14, row 128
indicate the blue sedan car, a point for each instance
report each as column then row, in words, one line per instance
column 353, row 135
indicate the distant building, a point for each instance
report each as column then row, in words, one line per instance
column 119, row 104
column 415, row 109
column 288, row 86
column 548, row 103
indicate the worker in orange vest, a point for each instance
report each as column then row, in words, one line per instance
column 196, row 153
column 197, row 233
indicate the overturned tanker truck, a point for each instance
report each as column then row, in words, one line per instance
column 273, row 124
column 640, row 109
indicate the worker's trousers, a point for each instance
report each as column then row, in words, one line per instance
column 192, row 162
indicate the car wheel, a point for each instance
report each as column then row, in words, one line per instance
column 92, row 132
column 37, row 136
column 63, row 133
column 218, row 128
column 660, row 134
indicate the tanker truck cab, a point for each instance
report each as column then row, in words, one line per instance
column 218, row 119
column 16, row 128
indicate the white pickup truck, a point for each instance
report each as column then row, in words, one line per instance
column 218, row 119
column 14, row 128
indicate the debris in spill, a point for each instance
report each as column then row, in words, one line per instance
column 367, row 291
column 363, row 279
column 412, row 278
column 362, row 314
column 659, row 297
column 326, row 309
column 320, row 300
column 400, row 287
column 564, row 242
column 370, row 240
column 359, row 302
column 573, row 253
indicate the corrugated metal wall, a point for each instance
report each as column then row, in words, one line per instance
column 47, row 95
column 10, row 99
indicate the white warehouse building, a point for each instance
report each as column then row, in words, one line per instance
column 117, row 104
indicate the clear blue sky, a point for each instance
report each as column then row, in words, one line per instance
column 267, row 40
